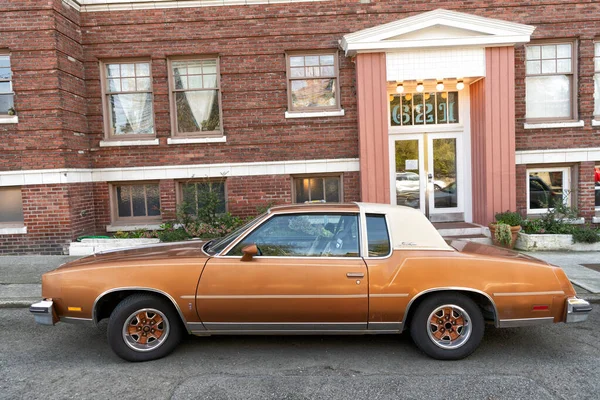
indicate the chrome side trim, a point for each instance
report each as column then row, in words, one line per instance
column 385, row 326
column 389, row 295
column 528, row 293
column 514, row 323
column 195, row 327
column 281, row 296
column 79, row 321
column 284, row 326
column 139, row 288
column 451, row 288
column 294, row 332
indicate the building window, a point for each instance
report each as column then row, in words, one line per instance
column 424, row 108
column 313, row 82
column 195, row 97
column 547, row 187
column 198, row 196
column 136, row 202
column 128, row 99
column 550, row 81
column 11, row 212
column 6, row 91
column 318, row 189
column 597, row 80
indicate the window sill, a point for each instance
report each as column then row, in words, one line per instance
column 550, row 125
column 10, row 119
column 595, row 122
column 116, row 143
column 595, row 220
column 314, row 114
column 184, row 140
column 133, row 227
column 13, row 230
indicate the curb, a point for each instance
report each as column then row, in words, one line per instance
column 18, row 303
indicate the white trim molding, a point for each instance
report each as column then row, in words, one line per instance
column 438, row 28
column 314, row 114
column 124, row 5
column 184, row 140
column 10, row 119
column 557, row 156
column 130, row 228
column 117, row 143
column 595, row 122
column 550, row 125
column 13, row 230
column 74, row 175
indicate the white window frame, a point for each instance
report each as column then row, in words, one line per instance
column 6, row 118
column 573, row 79
column 109, row 134
column 566, row 187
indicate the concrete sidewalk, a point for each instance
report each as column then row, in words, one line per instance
column 20, row 276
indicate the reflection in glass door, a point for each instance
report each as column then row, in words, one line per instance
column 428, row 175
column 408, row 167
column 443, row 169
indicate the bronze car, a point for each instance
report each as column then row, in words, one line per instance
column 322, row 268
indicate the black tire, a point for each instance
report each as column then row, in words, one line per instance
column 466, row 341
column 160, row 317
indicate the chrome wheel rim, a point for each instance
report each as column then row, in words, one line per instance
column 449, row 326
column 145, row 329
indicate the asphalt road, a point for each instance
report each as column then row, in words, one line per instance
column 70, row 361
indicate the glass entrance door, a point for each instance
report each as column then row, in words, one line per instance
column 428, row 175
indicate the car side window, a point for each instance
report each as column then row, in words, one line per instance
column 304, row 235
column 377, row 236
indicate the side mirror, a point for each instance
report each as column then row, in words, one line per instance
column 249, row 252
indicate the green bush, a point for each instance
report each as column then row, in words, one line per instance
column 170, row 233
column 585, row 235
column 509, row 218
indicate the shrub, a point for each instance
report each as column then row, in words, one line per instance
column 585, row 235
column 171, row 233
column 137, row 234
column 503, row 234
column 509, row 218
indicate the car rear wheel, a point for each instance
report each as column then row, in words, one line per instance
column 447, row 326
column 143, row 327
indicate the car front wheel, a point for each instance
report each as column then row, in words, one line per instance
column 143, row 327
column 447, row 326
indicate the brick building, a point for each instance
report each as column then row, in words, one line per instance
column 112, row 112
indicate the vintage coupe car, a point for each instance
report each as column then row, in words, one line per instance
column 305, row 269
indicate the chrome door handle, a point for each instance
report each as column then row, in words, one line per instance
column 355, row 275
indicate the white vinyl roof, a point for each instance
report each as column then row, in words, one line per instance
column 409, row 228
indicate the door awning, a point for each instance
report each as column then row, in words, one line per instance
column 438, row 28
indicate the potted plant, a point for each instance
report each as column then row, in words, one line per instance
column 506, row 229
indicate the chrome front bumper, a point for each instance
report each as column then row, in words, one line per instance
column 578, row 310
column 43, row 312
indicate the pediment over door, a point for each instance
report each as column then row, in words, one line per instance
column 438, row 28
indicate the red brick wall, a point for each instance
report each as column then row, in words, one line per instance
column 44, row 40
column 49, row 215
column 586, row 191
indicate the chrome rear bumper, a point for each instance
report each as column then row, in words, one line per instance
column 578, row 310
column 43, row 312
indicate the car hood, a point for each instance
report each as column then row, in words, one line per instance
column 467, row 247
column 155, row 252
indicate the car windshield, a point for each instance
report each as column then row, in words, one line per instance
column 217, row 245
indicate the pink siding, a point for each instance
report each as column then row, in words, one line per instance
column 493, row 136
column 373, row 128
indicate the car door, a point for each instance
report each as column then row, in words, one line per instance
column 309, row 277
